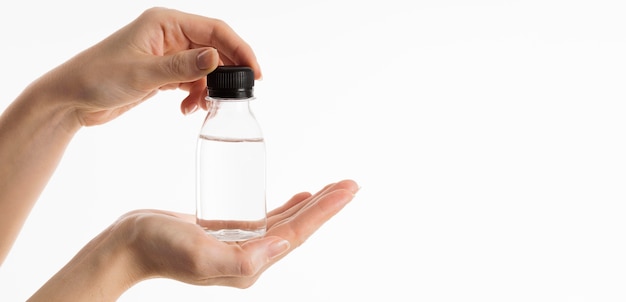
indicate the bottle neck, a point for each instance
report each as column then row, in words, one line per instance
column 224, row 106
column 231, row 118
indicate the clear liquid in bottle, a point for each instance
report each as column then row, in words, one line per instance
column 231, row 187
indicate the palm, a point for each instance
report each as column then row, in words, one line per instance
column 180, row 249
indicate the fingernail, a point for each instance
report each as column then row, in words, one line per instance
column 192, row 110
column 204, row 59
column 277, row 248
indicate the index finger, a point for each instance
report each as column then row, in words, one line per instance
column 204, row 31
column 302, row 224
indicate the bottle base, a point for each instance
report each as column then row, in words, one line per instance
column 232, row 235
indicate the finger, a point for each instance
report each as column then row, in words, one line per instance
column 265, row 249
column 348, row 185
column 196, row 97
column 203, row 31
column 185, row 66
column 304, row 223
column 294, row 205
column 290, row 206
column 290, row 209
column 290, row 203
column 240, row 265
column 262, row 253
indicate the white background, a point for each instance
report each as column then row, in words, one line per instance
column 487, row 137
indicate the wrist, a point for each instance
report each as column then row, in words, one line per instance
column 35, row 130
column 101, row 271
column 49, row 106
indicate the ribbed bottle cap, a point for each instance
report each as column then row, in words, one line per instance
column 231, row 82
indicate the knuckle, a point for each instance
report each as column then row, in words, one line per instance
column 175, row 67
column 154, row 12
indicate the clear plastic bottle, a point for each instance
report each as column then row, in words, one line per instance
column 230, row 201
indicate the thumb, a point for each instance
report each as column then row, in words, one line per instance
column 265, row 250
column 184, row 66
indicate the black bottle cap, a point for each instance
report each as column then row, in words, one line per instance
column 231, row 82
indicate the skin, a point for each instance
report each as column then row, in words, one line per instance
column 161, row 49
